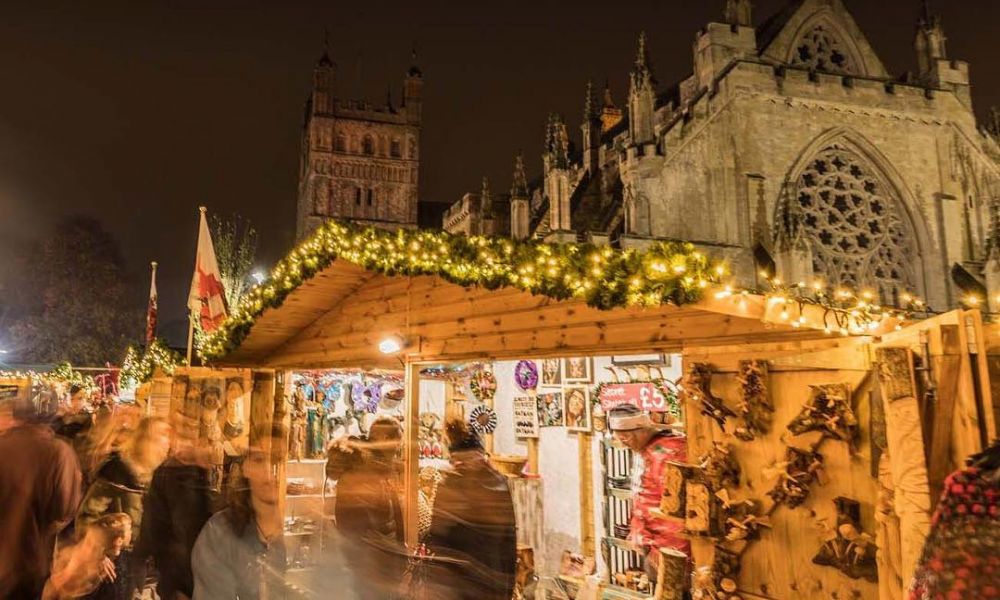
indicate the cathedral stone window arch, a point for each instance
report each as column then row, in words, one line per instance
column 821, row 47
column 368, row 145
column 340, row 145
column 857, row 229
column 395, row 149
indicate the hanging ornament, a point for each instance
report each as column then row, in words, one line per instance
column 483, row 419
column 526, row 375
column 484, row 385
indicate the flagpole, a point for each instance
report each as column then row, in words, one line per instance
column 190, row 336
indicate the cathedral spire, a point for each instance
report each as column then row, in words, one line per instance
column 486, row 199
column 519, row 187
column 641, row 97
column 560, row 143
column 739, row 12
column 590, row 112
column 930, row 40
column 324, row 60
column 608, row 101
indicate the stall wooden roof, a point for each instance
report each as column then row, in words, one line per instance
column 337, row 317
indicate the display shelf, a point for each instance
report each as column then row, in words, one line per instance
column 620, row 493
column 290, row 496
column 307, row 461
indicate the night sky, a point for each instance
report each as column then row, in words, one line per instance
column 138, row 112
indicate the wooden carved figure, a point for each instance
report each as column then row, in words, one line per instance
column 697, row 385
column 799, row 470
column 743, row 519
column 297, row 433
column 755, row 405
column 703, row 511
column 829, row 411
column 719, row 467
column 846, row 547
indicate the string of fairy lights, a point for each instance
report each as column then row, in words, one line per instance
column 62, row 373
column 667, row 272
column 139, row 365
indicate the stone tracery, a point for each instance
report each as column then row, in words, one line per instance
column 857, row 233
column 820, row 48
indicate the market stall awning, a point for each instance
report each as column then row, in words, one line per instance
column 453, row 298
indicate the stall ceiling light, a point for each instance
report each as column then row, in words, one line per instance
column 390, row 344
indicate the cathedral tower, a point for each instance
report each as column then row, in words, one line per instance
column 359, row 161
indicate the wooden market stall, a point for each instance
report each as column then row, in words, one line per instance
column 793, row 432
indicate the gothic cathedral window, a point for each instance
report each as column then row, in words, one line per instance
column 395, row 149
column 357, row 196
column 821, row 49
column 858, row 231
column 368, row 145
column 340, row 144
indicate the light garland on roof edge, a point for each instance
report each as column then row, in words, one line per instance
column 667, row 272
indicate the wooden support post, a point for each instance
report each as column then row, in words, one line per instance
column 671, row 575
column 411, row 454
column 912, row 500
column 588, row 544
column 533, row 455
column 946, row 366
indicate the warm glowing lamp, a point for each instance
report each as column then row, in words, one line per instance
column 390, row 344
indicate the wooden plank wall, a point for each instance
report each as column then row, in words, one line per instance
column 780, row 564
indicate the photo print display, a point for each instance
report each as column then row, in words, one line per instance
column 551, row 372
column 550, row 410
column 525, row 417
column 577, row 408
column 578, row 370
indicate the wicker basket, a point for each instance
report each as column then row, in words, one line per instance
column 508, row 464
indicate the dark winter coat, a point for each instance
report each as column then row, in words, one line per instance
column 179, row 502
column 116, row 489
column 473, row 532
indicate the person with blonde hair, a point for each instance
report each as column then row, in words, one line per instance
column 122, row 481
column 86, row 569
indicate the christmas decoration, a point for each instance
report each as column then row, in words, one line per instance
column 62, row 373
column 799, row 470
column 484, row 385
column 483, row 419
column 666, row 273
column 697, row 384
column 138, row 367
column 829, row 411
column 846, row 547
column 526, row 375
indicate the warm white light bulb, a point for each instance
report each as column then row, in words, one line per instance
column 390, row 345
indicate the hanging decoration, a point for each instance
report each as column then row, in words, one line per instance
column 697, row 384
column 526, row 375
column 484, row 385
column 483, row 419
column 755, row 407
column 829, row 411
column 846, row 547
column 799, row 470
column 719, row 467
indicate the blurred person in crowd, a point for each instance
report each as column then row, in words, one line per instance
column 240, row 551
column 121, row 484
column 40, row 489
column 87, row 569
column 473, row 539
column 652, row 447
column 179, row 501
column 112, row 429
column 73, row 418
column 369, row 515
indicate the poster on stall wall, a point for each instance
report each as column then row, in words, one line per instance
column 645, row 395
column 550, row 410
column 214, row 407
column 525, row 417
column 577, row 408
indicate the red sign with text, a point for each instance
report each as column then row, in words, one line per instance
column 644, row 395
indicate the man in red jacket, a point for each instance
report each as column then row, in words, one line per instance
column 652, row 448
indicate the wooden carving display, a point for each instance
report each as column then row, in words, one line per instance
column 297, row 437
column 697, row 385
column 674, row 500
column 719, row 467
column 800, row 469
column 755, row 405
column 829, row 411
column 718, row 582
column 846, row 547
column 672, row 575
column 744, row 520
column 703, row 511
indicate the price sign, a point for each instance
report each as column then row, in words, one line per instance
column 645, row 395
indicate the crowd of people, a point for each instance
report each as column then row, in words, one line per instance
column 100, row 502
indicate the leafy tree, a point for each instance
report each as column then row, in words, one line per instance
column 235, row 243
column 74, row 298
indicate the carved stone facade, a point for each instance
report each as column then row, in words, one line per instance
column 359, row 162
column 791, row 148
